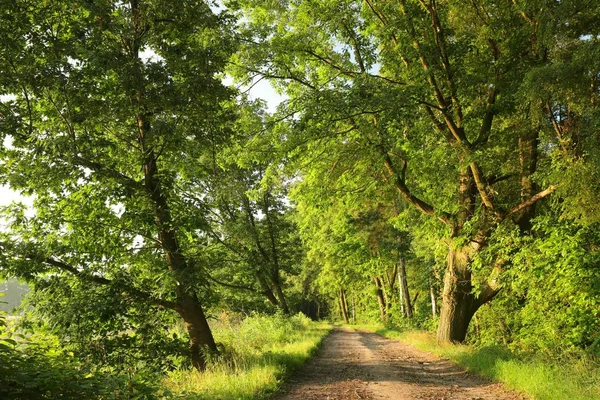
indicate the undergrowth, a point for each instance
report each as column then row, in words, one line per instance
column 573, row 378
column 256, row 353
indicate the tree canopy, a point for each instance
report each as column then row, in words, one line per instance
column 432, row 159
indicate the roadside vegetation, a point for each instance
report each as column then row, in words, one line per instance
column 257, row 353
column 432, row 164
column 575, row 377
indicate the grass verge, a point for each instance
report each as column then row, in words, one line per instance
column 257, row 353
column 572, row 379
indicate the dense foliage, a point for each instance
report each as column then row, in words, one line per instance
column 472, row 126
column 434, row 163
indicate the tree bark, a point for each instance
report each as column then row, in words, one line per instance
column 432, row 297
column 201, row 338
column 187, row 304
column 380, row 299
column 344, row 305
column 276, row 267
column 404, row 288
column 458, row 302
column 401, row 294
column 528, row 157
column 279, row 293
column 353, row 309
column 266, row 289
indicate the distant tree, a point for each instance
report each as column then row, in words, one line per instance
column 254, row 232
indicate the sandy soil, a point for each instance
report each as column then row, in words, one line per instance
column 362, row 365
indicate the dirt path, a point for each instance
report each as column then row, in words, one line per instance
column 361, row 365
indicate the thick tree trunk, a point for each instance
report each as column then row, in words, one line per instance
column 201, row 339
column 188, row 306
column 380, row 299
column 458, row 302
column 404, row 288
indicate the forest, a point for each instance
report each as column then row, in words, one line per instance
column 431, row 165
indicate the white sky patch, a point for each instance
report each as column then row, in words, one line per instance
column 147, row 55
column 7, row 197
column 117, row 209
column 265, row 91
column 259, row 89
column 8, row 142
column 138, row 243
column 5, row 98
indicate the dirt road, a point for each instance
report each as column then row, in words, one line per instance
column 361, row 365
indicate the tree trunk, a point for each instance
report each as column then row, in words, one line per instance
column 266, row 289
column 201, row 339
column 344, row 305
column 528, row 158
column 380, row 299
column 400, row 293
column 353, row 309
column 279, row 293
column 188, row 306
column 458, row 302
column 432, row 296
column 404, row 288
column 275, row 279
column 386, row 299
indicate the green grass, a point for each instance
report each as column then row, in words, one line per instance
column 257, row 353
column 572, row 379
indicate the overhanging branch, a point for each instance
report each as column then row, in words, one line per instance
column 103, row 281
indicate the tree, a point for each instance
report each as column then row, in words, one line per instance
column 116, row 108
column 254, row 229
column 442, row 96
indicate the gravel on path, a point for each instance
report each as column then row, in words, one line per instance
column 363, row 365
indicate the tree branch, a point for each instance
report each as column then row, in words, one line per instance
column 531, row 200
column 486, row 124
column 481, row 188
column 440, row 42
column 103, row 281
column 454, row 127
column 400, row 185
column 232, row 286
column 102, row 169
column 277, row 76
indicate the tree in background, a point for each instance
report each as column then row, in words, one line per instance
column 255, row 233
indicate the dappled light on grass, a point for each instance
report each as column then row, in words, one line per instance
column 256, row 354
column 575, row 378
